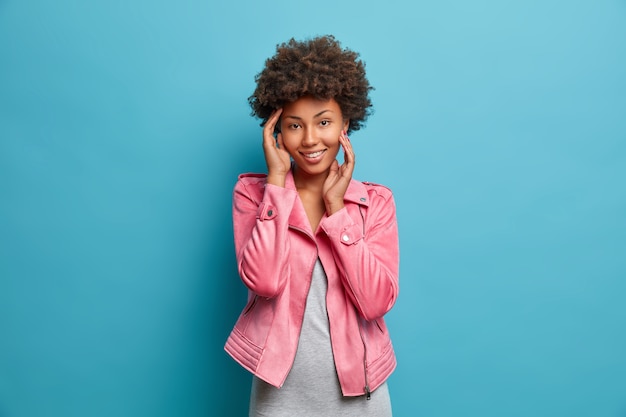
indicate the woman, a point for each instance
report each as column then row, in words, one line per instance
column 317, row 250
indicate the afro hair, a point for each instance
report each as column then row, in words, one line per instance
column 318, row 67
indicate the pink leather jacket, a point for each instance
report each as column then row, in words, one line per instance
column 276, row 251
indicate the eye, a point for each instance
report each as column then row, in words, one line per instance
column 293, row 126
column 325, row 122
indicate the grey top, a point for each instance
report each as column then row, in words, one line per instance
column 312, row 387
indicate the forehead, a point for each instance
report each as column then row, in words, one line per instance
column 309, row 107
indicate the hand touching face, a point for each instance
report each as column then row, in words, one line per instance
column 339, row 177
column 276, row 157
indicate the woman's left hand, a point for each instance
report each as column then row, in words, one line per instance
column 339, row 177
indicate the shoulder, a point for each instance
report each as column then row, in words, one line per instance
column 379, row 202
column 366, row 193
column 251, row 178
column 378, row 190
column 251, row 184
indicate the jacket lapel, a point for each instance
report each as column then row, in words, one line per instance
column 297, row 218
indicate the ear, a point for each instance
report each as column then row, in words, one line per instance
column 346, row 125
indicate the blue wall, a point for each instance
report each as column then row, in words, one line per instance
column 500, row 126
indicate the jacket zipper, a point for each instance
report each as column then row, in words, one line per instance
column 366, row 388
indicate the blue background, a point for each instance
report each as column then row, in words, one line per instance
column 499, row 125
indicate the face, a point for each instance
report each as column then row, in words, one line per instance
column 310, row 130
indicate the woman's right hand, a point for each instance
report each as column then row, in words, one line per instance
column 276, row 157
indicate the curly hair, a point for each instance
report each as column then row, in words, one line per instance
column 318, row 67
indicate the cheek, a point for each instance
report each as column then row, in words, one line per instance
column 332, row 140
column 334, row 147
column 290, row 141
column 291, row 148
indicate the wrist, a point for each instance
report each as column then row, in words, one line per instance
column 276, row 179
column 332, row 208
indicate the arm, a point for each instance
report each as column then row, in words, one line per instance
column 260, row 228
column 368, row 260
column 261, row 242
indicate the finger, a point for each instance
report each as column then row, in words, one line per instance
column 270, row 125
column 334, row 166
column 345, row 142
column 348, row 151
column 274, row 117
column 279, row 140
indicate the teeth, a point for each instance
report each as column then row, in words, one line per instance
column 313, row 155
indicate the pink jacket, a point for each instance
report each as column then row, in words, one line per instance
column 276, row 251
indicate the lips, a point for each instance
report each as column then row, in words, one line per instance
column 313, row 155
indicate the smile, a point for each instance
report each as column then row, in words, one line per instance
column 314, row 154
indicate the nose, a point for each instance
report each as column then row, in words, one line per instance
column 308, row 137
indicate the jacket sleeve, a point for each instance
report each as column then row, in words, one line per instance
column 260, row 232
column 367, row 254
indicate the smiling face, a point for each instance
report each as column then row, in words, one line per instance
column 310, row 131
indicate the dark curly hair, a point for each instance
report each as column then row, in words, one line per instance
column 318, row 67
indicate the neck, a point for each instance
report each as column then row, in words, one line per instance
column 304, row 181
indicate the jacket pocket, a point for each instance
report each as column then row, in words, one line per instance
column 256, row 320
column 379, row 326
column 250, row 305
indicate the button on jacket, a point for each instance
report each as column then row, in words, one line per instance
column 276, row 251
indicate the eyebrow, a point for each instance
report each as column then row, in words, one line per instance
column 315, row 116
